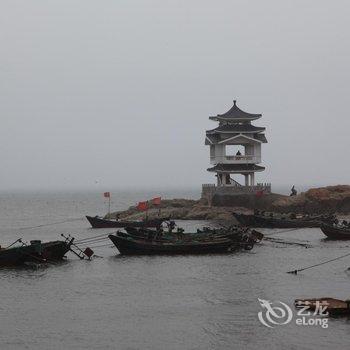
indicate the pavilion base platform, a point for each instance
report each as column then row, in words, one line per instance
column 251, row 197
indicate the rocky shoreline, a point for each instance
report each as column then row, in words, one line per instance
column 184, row 209
column 331, row 199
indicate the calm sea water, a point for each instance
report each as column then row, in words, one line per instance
column 177, row 302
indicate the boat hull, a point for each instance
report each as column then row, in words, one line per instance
column 97, row 222
column 127, row 246
column 334, row 307
column 273, row 222
column 40, row 253
column 336, row 233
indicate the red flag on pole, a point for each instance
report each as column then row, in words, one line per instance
column 107, row 195
column 156, row 200
column 142, row 206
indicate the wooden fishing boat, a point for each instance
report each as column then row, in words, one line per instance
column 281, row 221
column 35, row 252
column 336, row 232
column 233, row 231
column 98, row 222
column 334, row 307
column 151, row 242
column 129, row 245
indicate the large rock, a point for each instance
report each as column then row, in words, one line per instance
column 249, row 201
column 329, row 199
column 180, row 209
column 174, row 208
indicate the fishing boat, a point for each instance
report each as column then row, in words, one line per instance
column 153, row 242
column 331, row 306
column 99, row 222
column 253, row 235
column 336, row 232
column 271, row 220
column 35, row 252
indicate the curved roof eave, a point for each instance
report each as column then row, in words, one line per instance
column 236, row 168
column 248, row 128
column 235, row 113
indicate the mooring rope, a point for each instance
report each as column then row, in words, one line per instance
column 103, row 235
column 319, row 264
column 17, row 240
column 92, row 241
column 282, row 231
column 48, row 224
column 103, row 245
column 306, row 245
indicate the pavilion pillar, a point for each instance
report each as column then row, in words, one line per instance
column 219, row 179
column 246, row 178
column 252, row 179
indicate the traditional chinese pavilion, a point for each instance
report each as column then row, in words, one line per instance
column 235, row 149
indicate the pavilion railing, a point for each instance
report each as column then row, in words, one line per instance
column 233, row 188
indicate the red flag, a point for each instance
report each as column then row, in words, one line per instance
column 259, row 193
column 107, row 195
column 156, row 200
column 88, row 252
column 142, row 206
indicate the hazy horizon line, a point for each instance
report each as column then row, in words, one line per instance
column 162, row 188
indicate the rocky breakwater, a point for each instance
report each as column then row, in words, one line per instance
column 184, row 209
column 330, row 199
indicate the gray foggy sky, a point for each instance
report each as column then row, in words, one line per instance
column 121, row 91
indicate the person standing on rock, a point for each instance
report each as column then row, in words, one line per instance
column 293, row 191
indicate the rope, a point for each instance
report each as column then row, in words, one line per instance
column 39, row 259
column 282, row 231
column 90, row 238
column 319, row 264
column 49, row 224
column 93, row 241
column 286, row 242
column 103, row 245
column 17, row 240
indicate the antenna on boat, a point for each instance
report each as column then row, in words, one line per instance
column 81, row 254
column 17, row 240
column 108, row 195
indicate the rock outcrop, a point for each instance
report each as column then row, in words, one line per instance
column 250, row 201
column 181, row 209
column 332, row 199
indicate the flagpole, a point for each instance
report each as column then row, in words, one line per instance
column 109, row 206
